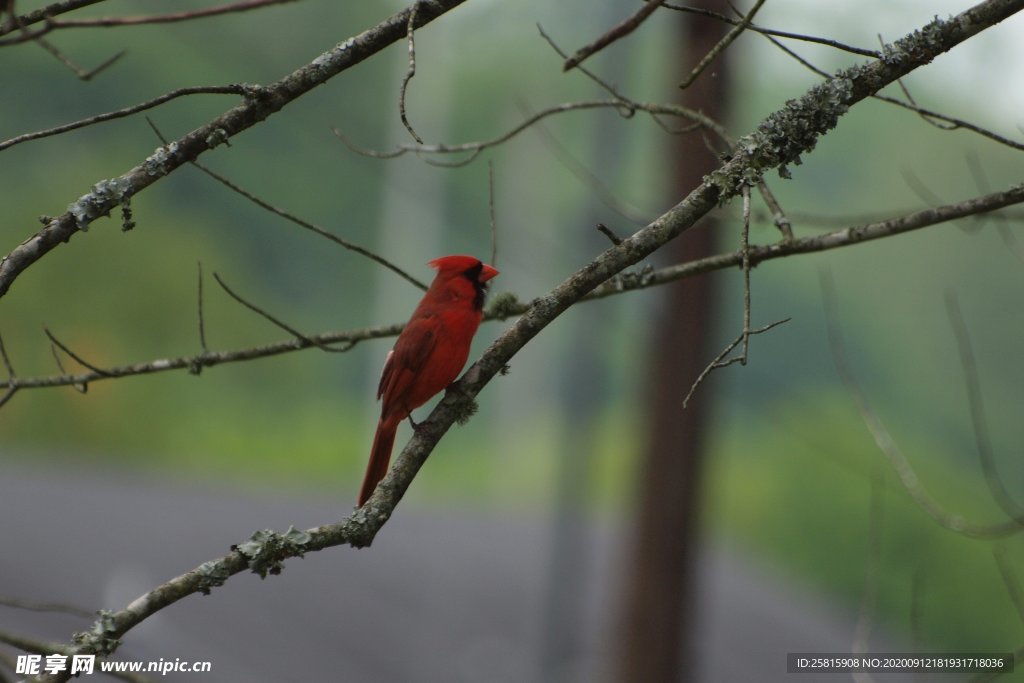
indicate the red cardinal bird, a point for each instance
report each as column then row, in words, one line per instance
column 430, row 352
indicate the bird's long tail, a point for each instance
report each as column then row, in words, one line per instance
column 380, row 456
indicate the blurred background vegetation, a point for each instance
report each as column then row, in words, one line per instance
column 791, row 466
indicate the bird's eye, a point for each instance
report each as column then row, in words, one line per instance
column 473, row 272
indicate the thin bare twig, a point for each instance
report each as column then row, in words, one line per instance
column 81, row 387
column 49, row 15
column 490, row 207
column 606, row 231
column 743, row 339
column 615, row 33
column 745, row 267
column 312, row 341
column 590, row 74
column 82, row 74
column 199, row 306
column 312, row 227
column 725, row 42
column 172, row 17
column 302, row 223
column 473, row 149
column 410, row 72
column 32, row 606
column 720, row 360
column 629, row 108
column 127, row 111
column 78, row 359
column 794, row 55
column 6, row 359
column 37, row 36
column 772, row 32
column 779, row 218
column 12, row 387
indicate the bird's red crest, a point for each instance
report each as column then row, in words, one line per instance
column 456, row 262
column 462, row 263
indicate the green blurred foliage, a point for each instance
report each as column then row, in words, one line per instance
column 796, row 483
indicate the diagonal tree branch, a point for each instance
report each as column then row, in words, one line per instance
column 260, row 103
column 778, row 140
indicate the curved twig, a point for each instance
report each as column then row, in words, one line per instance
column 475, row 148
column 409, row 73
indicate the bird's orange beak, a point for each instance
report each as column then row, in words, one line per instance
column 487, row 272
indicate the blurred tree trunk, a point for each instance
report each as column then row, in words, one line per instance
column 659, row 592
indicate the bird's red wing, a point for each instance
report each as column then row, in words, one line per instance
column 405, row 361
